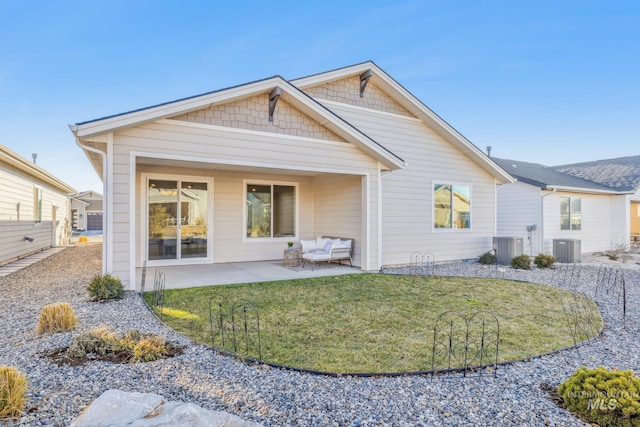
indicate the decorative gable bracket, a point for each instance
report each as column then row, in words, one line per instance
column 273, row 100
column 364, row 79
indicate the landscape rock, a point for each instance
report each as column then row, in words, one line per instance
column 118, row 408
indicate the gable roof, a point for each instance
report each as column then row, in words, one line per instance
column 548, row 178
column 407, row 100
column 289, row 93
column 15, row 160
column 88, row 194
column 621, row 174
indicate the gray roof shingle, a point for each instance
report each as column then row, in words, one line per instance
column 621, row 174
column 543, row 176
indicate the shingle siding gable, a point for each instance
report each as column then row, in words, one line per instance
column 347, row 91
column 252, row 113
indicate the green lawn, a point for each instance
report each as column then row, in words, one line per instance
column 377, row 323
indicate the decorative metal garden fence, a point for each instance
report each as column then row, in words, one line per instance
column 235, row 326
column 421, row 263
column 567, row 276
column 469, row 344
column 157, row 300
column 581, row 316
column 144, row 277
column 611, row 282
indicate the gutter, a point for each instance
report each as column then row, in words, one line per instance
column 106, row 256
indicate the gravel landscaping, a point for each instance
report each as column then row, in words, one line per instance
column 517, row 396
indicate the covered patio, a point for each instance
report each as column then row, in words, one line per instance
column 188, row 276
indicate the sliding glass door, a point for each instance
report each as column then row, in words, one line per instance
column 178, row 215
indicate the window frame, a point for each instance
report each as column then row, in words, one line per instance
column 272, row 184
column 570, row 200
column 452, row 227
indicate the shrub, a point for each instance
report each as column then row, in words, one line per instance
column 100, row 341
column 149, row 348
column 13, row 390
column 521, row 262
column 608, row 398
column 133, row 346
column 105, row 287
column 83, row 239
column 58, row 317
column 487, row 258
column 544, row 261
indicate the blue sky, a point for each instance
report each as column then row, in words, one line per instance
column 550, row 82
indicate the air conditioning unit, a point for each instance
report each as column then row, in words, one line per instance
column 507, row 248
column 567, row 250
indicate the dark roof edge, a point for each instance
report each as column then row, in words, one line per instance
column 178, row 100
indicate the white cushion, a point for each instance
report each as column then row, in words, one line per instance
column 320, row 242
column 346, row 242
column 327, row 245
column 307, row 245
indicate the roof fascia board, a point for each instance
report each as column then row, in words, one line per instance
column 17, row 161
column 339, row 73
column 341, row 127
column 93, row 130
column 587, row 190
column 414, row 105
column 111, row 124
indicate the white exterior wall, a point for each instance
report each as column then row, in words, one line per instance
column 407, row 199
column 340, row 213
column 17, row 214
column 519, row 206
column 601, row 221
column 212, row 147
column 82, row 214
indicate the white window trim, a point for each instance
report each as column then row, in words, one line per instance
column 246, row 239
column 144, row 209
column 433, row 206
column 570, row 229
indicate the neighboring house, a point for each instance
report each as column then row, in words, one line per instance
column 577, row 202
column 86, row 211
column 34, row 207
column 232, row 175
column 621, row 174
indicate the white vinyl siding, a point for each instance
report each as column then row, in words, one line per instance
column 519, row 207
column 225, row 156
column 339, row 214
column 407, row 204
column 600, row 229
column 18, row 211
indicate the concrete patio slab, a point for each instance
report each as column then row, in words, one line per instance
column 179, row 277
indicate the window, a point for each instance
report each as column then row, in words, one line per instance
column 37, row 205
column 570, row 213
column 271, row 210
column 451, row 206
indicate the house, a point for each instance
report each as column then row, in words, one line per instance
column 232, row 175
column 86, row 211
column 621, row 174
column 34, row 207
column 595, row 203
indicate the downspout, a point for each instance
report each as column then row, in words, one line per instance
column 106, row 256
column 542, row 215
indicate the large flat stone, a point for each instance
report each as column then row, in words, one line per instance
column 116, row 408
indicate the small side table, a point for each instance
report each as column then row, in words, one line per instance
column 291, row 258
